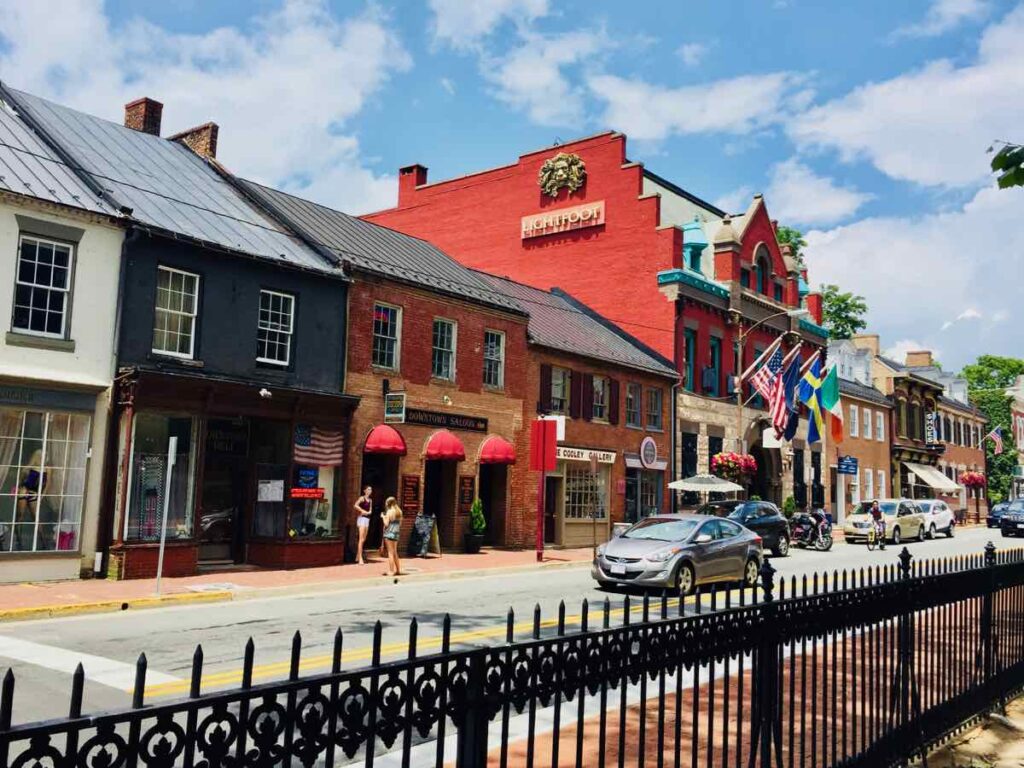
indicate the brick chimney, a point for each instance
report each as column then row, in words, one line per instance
column 920, row 358
column 202, row 139
column 143, row 115
column 868, row 341
column 410, row 177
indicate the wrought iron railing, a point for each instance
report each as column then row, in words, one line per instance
column 852, row 668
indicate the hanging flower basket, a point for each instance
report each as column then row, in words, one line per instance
column 737, row 467
column 972, row 480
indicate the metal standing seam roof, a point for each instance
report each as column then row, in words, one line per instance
column 863, row 392
column 558, row 324
column 167, row 185
column 29, row 167
column 378, row 250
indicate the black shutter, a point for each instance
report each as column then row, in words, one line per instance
column 544, row 396
column 575, row 394
column 588, row 396
column 613, row 401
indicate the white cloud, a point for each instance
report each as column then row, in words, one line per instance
column 534, row 76
column 736, row 201
column 797, row 195
column 464, row 23
column 693, row 54
column 932, row 125
column 968, row 314
column 737, row 105
column 943, row 16
column 915, row 272
column 898, row 350
column 282, row 90
column 448, row 85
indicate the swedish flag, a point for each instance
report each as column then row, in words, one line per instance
column 810, row 395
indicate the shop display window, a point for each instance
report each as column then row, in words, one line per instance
column 43, row 459
column 148, row 485
column 585, row 492
column 313, row 502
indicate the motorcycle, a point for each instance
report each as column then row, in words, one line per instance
column 811, row 530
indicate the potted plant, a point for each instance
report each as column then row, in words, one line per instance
column 789, row 507
column 974, row 481
column 474, row 537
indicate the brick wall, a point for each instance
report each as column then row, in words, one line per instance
column 306, row 554
column 871, row 454
column 139, row 561
column 467, row 395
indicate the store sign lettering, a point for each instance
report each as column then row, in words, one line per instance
column 564, row 219
column 445, row 420
column 584, row 454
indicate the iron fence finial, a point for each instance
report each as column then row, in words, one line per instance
column 990, row 554
column 767, row 580
column 905, row 560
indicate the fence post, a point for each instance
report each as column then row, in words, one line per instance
column 766, row 729
column 988, row 629
column 471, row 741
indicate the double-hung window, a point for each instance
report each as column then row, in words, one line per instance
column 560, row 383
column 879, row 426
column 880, row 483
column 867, row 424
column 386, row 328
column 494, row 359
column 42, row 287
column 854, row 411
column 600, row 409
column 174, row 319
column 654, row 408
column 276, row 325
column 442, row 355
column 634, row 393
column 869, row 485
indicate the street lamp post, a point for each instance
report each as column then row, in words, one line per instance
column 741, row 338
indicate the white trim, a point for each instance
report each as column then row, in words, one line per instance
column 398, row 336
column 501, row 358
column 454, row 350
column 854, row 421
column 289, row 333
column 867, row 426
column 65, row 319
column 880, row 426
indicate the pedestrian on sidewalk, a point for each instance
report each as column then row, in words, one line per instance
column 392, row 527
column 363, row 506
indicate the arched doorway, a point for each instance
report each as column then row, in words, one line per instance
column 767, row 481
column 382, row 450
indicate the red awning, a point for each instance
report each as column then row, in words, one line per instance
column 445, row 446
column 497, row 450
column 385, row 439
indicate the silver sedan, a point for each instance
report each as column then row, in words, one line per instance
column 679, row 552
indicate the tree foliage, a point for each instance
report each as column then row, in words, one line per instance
column 987, row 380
column 795, row 239
column 1008, row 162
column 842, row 312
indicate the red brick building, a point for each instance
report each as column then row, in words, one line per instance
column 679, row 274
column 611, row 396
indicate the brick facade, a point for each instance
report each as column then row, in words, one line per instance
column 964, row 453
column 467, row 395
column 871, row 449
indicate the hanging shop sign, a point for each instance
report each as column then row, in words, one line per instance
column 394, row 408
column 931, row 436
column 411, row 494
column 847, row 465
column 649, row 453
column 467, row 492
column 565, row 453
column 445, row 420
column 563, row 220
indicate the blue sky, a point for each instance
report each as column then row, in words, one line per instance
column 865, row 123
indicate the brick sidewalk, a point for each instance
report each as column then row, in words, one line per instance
column 44, row 599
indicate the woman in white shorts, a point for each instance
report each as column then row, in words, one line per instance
column 364, row 507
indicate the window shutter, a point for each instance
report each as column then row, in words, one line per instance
column 613, row 401
column 588, row 396
column 575, row 394
column 544, row 400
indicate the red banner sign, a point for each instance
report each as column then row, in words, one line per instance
column 543, row 445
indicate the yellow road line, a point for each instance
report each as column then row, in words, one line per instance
column 365, row 653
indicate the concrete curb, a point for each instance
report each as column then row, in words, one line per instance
column 110, row 606
column 256, row 593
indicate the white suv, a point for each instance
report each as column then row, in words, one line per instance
column 938, row 517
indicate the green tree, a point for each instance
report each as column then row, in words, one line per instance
column 1008, row 162
column 843, row 313
column 987, row 380
column 795, row 239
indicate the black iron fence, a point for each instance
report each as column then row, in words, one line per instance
column 852, row 668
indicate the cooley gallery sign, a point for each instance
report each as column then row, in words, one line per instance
column 563, row 220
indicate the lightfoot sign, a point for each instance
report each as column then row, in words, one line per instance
column 563, row 219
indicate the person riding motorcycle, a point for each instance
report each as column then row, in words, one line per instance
column 879, row 522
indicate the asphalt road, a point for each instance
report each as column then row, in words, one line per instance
column 43, row 654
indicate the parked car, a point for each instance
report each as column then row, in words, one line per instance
column 1011, row 522
column 996, row 513
column 938, row 517
column 762, row 517
column 903, row 520
column 679, row 552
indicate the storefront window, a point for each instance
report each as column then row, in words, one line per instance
column 650, row 493
column 42, row 479
column 149, row 477
column 313, row 502
column 585, row 491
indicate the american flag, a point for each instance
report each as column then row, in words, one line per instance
column 766, row 375
column 315, row 447
column 996, row 435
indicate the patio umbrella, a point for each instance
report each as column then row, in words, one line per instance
column 705, row 483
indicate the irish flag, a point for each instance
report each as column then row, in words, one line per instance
column 830, row 403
